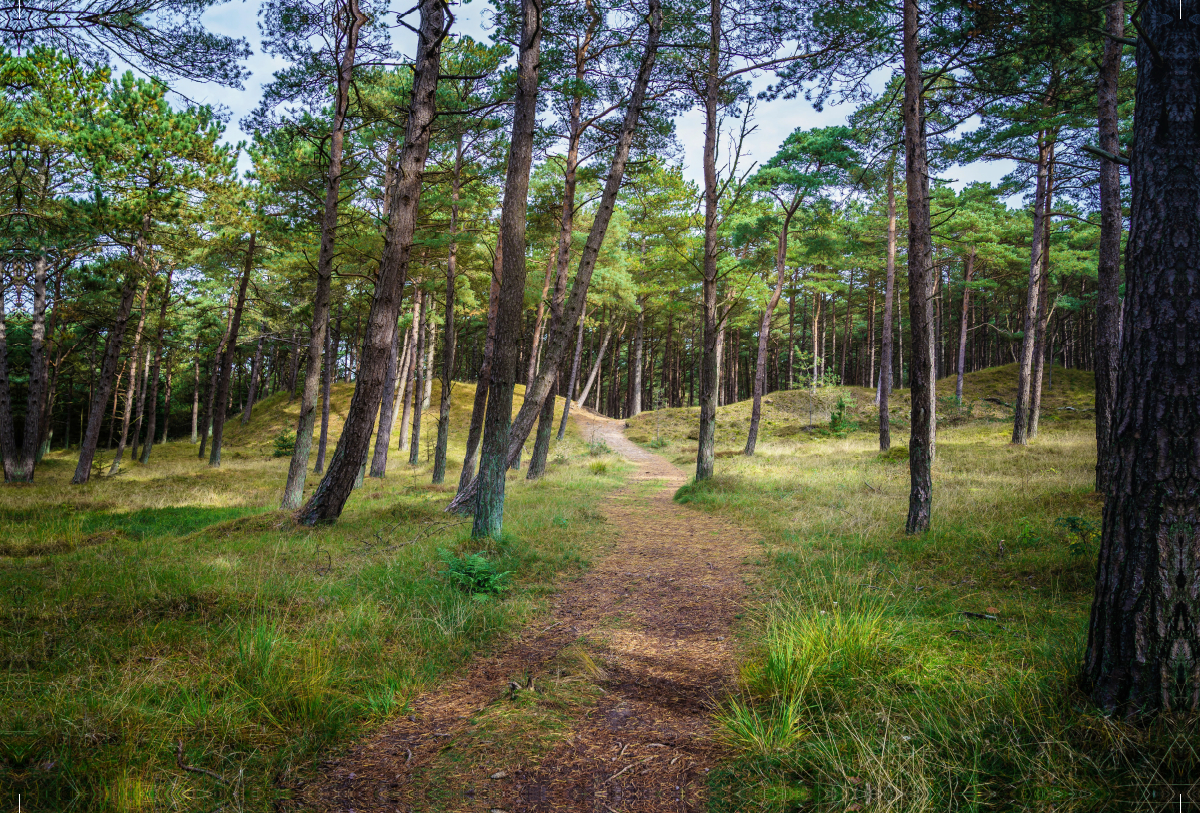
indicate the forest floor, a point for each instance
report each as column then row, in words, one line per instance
column 605, row 703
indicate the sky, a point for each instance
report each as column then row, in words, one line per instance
column 773, row 121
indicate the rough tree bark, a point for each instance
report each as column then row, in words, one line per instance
column 221, row 403
column 293, row 491
column 709, row 361
column 327, row 370
column 414, row 445
column 1108, row 267
column 255, row 372
column 1043, row 311
column 920, row 281
column 562, row 427
column 387, row 408
column 479, row 405
column 8, row 440
column 1143, row 653
column 451, row 340
column 351, row 453
column 493, row 463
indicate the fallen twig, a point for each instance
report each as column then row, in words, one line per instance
column 984, row 616
column 193, row 768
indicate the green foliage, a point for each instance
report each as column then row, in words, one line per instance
column 895, row 454
column 1081, row 533
column 474, row 573
column 598, row 467
column 659, row 443
column 839, row 423
column 597, row 448
column 285, row 443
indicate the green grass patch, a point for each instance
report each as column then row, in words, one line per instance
column 170, row 615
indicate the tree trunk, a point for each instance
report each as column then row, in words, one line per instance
column 408, row 378
column 1021, row 412
column 562, row 427
column 99, row 399
column 963, row 325
column 351, row 453
column 1143, row 653
column 449, row 344
column 293, row 490
column 635, row 364
column 479, row 405
column 709, row 361
column 383, row 429
column 196, row 396
column 167, row 402
column 886, row 365
column 131, row 390
column 327, row 371
column 430, row 347
column 154, row 373
column 920, row 282
column 1043, row 310
column 8, row 440
column 1108, row 267
column 141, row 408
column 587, row 387
column 764, row 332
column 493, row 463
column 38, row 369
column 255, row 372
column 414, row 446
column 222, row 399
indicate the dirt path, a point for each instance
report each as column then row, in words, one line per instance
column 621, row 681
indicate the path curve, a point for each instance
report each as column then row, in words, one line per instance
column 656, row 611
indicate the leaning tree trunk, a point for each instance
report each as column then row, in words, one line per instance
column 387, row 408
column 493, row 463
column 151, row 426
column 1143, row 653
column 293, row 491
column 587, row 388
column 562, row 427
column 108, row 368
column 885, row 351
column 764, row 333
column 561, row 328
column 330, row 497
column 221, row 403
column 920, row 282
column 1108, row 266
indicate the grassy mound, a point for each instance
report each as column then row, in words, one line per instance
column 169, row 616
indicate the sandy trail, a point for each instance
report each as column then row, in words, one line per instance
column 656, row 612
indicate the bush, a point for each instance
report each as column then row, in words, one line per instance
column 658, row 443
column 1080, row 533
column 285, row 444
column 839, row 424
column 598, row 447
column 474, row 573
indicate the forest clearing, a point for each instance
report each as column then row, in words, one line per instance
column 599, row 405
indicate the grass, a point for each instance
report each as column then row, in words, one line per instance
column 935, row 672
column 168, row 616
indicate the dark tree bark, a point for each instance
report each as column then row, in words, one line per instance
column 221, row 403
column 920, row 282
column 293, row 490
column 1143, row 654
column 493, row 463
column 166, row 426
column 108, row 368
column 196, row 395
column 351, row 453
column 479, row 405
column 963, row 324
column 135, row 368
column 151, row 426
column 1108, row 267
column 1043, row 311
column 709, row 356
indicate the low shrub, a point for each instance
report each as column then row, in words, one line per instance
column 474, row 573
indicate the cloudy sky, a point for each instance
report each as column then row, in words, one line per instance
column 774, row 120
